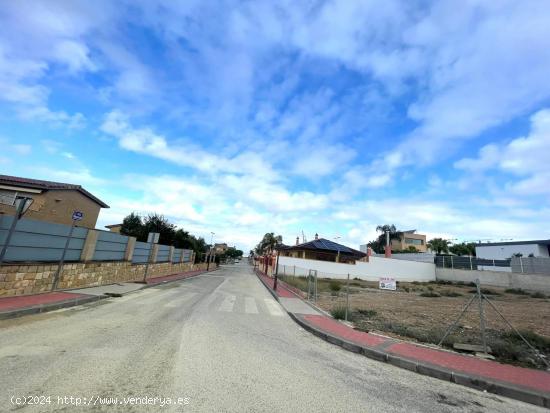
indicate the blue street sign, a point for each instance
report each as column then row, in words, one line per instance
column 78, row 215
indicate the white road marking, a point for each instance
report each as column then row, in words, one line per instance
column 250, row 306
column 228, row 304
column 273, row 307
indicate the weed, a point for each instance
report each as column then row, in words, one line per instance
column 485, row 291
column 430, row 288
column 335, row 286
column 367, row 313
column 538, row 295
column 443, row 282
column 406, row 289
column 339, row 312
column 518, row 291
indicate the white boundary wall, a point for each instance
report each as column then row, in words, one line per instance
column 370, row 271
column 532, row 282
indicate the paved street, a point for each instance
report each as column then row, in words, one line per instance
column 220, row 342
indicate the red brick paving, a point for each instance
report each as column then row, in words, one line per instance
column 333, row 327
column 25, row 301
column 535, row 379
column 281, row 292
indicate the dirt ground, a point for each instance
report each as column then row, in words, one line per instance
column 408, row 315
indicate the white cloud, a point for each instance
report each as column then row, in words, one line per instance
column 527, row 158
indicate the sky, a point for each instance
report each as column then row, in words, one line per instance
column 328, row 117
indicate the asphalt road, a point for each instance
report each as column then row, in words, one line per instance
column 219, row 342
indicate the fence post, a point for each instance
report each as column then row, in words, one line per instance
column 471, row 266
column 521, row 264
column 347, row 298
column 171, row 254
column 493, row 263
column 452, row 263
column 130, row 245
column 294, row 271
column 481, row 317
column 443, row 259
column 88, row 249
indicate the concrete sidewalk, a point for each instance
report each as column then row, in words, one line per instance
column 528, row 385
column 11, row 307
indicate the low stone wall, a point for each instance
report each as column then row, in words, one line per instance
column 37, row 278
column 530, row 282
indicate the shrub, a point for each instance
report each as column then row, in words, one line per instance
column 430, row 288
column 518, row 291
column 449, row 293
column 406, row 289
column 339, row 312
column 538, row 295
column 367, row 313
column 485, row 291
column 429, row 294
column 335, row 286
column 443, row 282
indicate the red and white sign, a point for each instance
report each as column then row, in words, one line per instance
column 387, row 283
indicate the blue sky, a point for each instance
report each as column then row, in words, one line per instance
column 245, row 117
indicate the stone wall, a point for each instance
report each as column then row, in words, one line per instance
column 30, row 279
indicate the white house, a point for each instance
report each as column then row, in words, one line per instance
column 505, row 250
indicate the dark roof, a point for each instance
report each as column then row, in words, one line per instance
column 46, row 185
column 491, row 244
column 113, row 225
column 323, row 244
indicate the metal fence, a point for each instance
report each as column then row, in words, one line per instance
column 40, row 241
column 142, row 251
column 531, row 265
column 110, row 246
column 163, row 254
column 469, row 263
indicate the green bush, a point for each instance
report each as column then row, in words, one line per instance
column 518, row 291
column 367, row 313
column 538, row 295
column 406, row 289
column 335, row 286
column 339, row 313
column 485, row 291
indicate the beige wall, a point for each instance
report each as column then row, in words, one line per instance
column 402, row 245
column 58, row 206
column 31, row 279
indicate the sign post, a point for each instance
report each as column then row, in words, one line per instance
column 77, row 216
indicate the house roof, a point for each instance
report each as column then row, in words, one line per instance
column 113, row 225
column 493, row 244
column 47, row 185
column 323, row 244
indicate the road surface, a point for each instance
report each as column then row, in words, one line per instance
column 218, row 342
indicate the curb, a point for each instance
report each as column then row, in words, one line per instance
column 479, row 383
column 44, row 308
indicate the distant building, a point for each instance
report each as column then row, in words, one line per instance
column 220, row 248
column 406, row 239
column 505, row 250
column 409, row 239
column 322, row 250
column 114, row 228
column 53, row 201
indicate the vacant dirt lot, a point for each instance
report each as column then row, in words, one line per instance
column 409, row 315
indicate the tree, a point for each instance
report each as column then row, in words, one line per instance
column 376, row 246
column 394, row 235
column 463, row 249
column 268, row 243
column 158, row 223
column 438, row 245
column 132, row 226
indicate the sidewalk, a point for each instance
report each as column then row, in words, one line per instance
column 531, row 386
column 11, row 307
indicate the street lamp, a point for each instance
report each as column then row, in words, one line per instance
column 210, row 252
column 22, row 204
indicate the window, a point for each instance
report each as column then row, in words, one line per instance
column 7, row 197
column 414, row 241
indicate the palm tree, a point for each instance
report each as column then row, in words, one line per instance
column 269, row 241
column 438, row 245
column 394, row 234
